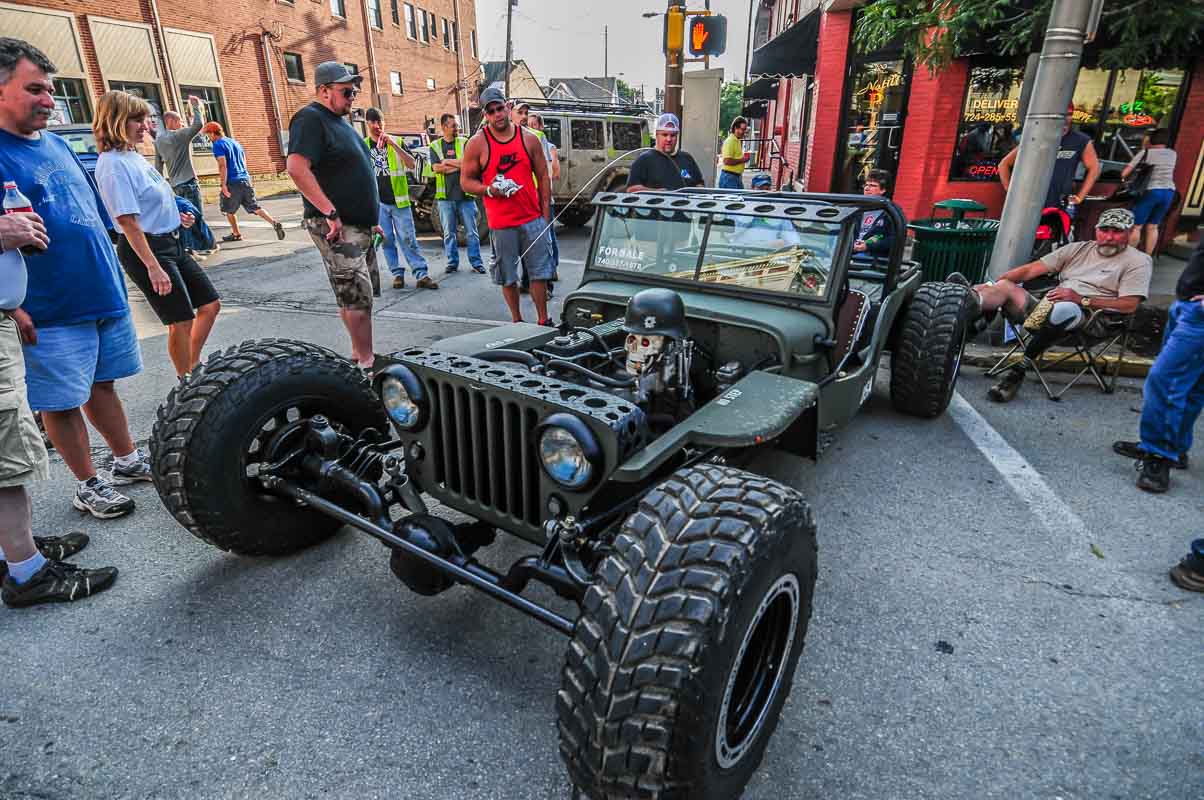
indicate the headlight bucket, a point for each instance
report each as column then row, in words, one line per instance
column 568, row 451
column 403, row 397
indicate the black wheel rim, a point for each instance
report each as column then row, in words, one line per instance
column 275, row 433
column 756, row 676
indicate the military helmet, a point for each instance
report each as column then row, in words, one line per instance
column 656, row 312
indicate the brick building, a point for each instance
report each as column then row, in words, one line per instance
column 252, row 61
column 834, row 113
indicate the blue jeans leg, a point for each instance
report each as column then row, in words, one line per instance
column 1174, row 389
column 407, row 240
column 447, row 218
column 730, row 180
column 389, row 245
column 468, row 213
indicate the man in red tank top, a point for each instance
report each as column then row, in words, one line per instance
column 505, row 165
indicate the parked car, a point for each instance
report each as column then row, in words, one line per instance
column 707, row 325
column 83, row 143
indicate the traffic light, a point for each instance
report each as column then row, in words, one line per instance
column 707, row 36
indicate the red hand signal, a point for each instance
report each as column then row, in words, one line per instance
column 698, row 35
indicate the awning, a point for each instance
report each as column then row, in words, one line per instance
column 755, row 110
column 762, row 89
column 790, row 54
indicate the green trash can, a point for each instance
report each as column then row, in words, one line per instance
column 954, row 243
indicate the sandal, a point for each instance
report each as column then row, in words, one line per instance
column 230, row 237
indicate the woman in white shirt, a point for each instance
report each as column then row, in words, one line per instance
column 150, row 248
column 1159, row 195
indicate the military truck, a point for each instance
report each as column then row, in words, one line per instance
column 708, row 325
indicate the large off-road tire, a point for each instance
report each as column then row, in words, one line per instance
column 214, row 430
column 688, row 639
column 576, row 216
column 928, row 350
column 461, row 235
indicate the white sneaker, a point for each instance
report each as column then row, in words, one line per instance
column 140, row 470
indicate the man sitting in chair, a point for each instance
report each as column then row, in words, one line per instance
column 1105, row 274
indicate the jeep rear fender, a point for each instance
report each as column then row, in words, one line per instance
column 757, row 410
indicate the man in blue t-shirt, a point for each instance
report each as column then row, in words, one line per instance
column 236, row 182
column 75, row 322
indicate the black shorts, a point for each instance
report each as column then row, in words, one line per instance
column 190, row 286
column 241, row 194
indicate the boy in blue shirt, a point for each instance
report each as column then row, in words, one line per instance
column 75, row 321
column 236, row 182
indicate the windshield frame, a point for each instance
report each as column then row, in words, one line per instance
column 844, row 217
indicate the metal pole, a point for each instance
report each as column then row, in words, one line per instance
column 509, row 43
column 461, row 89
column 748, row 46
column 1052, row 92
column 605, row 51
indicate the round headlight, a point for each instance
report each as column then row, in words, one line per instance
column 401, row 407
column 564, row 457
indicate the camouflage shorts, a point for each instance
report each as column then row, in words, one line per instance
column 350, row 263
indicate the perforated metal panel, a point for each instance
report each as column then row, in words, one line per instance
column 126, row 52
column 193, row 60
column 53, row 34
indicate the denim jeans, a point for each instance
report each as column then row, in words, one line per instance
column 1174, row 389
column 465, row 211
column 190, row 191
column 398, row 225
column 730, row 180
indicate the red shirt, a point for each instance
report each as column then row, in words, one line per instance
column 511, row 159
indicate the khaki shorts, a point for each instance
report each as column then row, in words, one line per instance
column 22, row 454
column 350, row 263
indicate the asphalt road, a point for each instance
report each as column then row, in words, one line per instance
column 992, row 619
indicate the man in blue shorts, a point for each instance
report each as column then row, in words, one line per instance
column 75, row 322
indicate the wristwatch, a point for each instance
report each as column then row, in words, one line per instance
column 334, row 214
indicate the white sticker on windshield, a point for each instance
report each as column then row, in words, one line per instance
column 624, row 258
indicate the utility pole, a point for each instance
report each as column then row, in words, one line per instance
column 748, row 48
column 605, row 51
column 674, row 60
column 1052, row 92
column 510, row 4
column 460, row 87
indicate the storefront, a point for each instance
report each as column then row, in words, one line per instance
column 942, row 135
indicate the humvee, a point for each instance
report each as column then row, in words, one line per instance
column 708, row 325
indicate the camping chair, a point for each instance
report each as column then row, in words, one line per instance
column 1103, row 332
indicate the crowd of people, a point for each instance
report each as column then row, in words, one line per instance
column 66, row 334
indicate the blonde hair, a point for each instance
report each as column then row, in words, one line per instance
column 113, row 111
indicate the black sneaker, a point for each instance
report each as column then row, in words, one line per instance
column 1154, row 475
column 279, row 231
column 477, row 268
column 57, row 582
column 1005, row 391
column 1189, row 573
column 1133, row 450
column 55, row 548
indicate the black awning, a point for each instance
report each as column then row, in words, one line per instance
column 762, row 89
column 755, row 110
column 790, row 54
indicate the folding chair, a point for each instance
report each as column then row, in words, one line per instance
column 1103, row 331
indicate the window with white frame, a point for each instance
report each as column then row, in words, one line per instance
column 411, row 25
column 395, row 83
column 374, row 15
column 338, row 8
column 430, row 84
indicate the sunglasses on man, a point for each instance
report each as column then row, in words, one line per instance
column 494, row 109
column 349, row 93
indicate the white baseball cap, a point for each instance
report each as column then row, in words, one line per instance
column 668, row 122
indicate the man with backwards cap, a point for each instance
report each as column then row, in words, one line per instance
column 664, row 167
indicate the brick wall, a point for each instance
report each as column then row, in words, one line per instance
column 1189, row 141
column 832, row 58
column 306, row 27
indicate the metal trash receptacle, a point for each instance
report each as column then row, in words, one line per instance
column 954, row 244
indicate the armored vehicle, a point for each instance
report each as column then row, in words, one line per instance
column 707, row 325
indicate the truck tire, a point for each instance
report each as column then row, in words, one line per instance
column 928, row 349
column 213, row 430
column 576, row 217
column 688, row 639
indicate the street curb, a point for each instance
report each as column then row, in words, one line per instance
column 1131, row 366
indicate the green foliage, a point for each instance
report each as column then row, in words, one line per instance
column 731, row 100
column 626, row 93
column 1137, row 34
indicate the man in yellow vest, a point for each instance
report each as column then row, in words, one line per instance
column 389, row 161
column 454, row 204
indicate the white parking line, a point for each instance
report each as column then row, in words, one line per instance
column 1026, row 482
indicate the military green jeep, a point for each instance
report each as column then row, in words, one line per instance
column 708, row 324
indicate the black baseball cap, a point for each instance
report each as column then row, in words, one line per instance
column 492, row 94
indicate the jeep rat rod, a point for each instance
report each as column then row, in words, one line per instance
column 707, row 324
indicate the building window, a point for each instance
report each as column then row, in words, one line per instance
column 430, row 84
column 211, row 99
column 426, row 26
column 1116, row 108
column 292, row 67
column 447, row 37
column 411, row 26
column 338, row 8
column 472, row 39
column 434, row 26
column 70, row 102
column 393, row 11
column 395, row 83
column 148, row 92
column 455, row 37
column 374, row 16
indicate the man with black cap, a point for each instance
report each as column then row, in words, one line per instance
column 664, row 167
column 332, row 168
